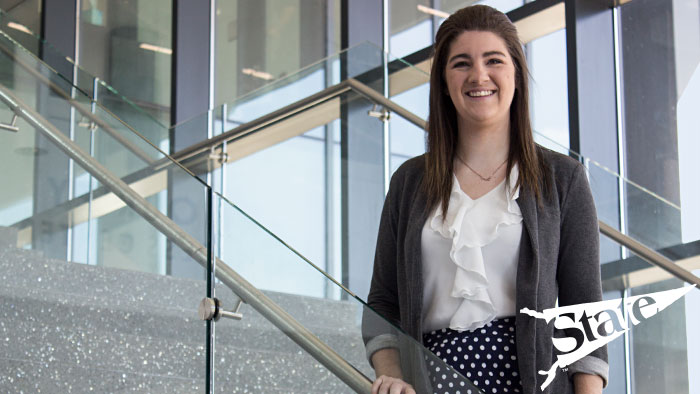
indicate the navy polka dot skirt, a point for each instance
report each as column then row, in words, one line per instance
column 486, row 356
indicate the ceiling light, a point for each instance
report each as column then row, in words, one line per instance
column 258, row 74
column 156, row 48
column 433, row 11
column 17, row 26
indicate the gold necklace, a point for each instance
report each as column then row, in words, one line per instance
column 483, row 178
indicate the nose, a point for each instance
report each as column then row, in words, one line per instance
column 478, row 74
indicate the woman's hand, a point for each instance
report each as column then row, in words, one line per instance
column 388, row 385
column 390, row 379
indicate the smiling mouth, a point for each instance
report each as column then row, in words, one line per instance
column 480, row 93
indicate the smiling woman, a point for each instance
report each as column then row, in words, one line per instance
column 486, row 223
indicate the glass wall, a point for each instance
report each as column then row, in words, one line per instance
column 260, row 41
column 128, row 46
column 405, row 139
column 549, row 104
column 660, row 77
column 410, row 28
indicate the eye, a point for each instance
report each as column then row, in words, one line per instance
column 495, row 61
column 460, row 64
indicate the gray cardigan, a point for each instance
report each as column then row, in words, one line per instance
column 558, row 258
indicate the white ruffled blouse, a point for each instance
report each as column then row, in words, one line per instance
column 470, row 259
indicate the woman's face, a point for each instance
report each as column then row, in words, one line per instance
column 480, row 78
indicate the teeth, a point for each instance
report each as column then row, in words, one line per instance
column 480, row 93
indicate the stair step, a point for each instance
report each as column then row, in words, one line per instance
column 136, row 355
column 66, row 317
column 25, row 376
column 22, row 376
column 25, row 269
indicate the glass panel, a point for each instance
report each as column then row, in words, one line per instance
column 292, row 177
column 335, row 316
column 108, row 322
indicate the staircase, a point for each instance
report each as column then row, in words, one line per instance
column 74, row 328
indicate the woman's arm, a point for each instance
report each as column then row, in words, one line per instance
column 587, row 384
column 578, row 272
column 381, row 338
column 386, row 362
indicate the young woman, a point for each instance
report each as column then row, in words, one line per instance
column 484, row 224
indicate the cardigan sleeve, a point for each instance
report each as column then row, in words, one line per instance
column 379, row 322
column 578, row 272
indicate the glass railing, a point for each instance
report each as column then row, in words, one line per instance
column 114, row 322
column 249, row 354
column 629, row 208
column 294, row 178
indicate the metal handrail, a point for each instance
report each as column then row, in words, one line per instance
column 648, row 254
column 204, row 147
column 201, row 151
column 246, row 291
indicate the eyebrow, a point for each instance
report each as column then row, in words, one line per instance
column 468, row 57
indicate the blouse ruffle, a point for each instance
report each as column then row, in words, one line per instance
column 471, row 229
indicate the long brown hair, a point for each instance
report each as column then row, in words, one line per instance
column 442, row 118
